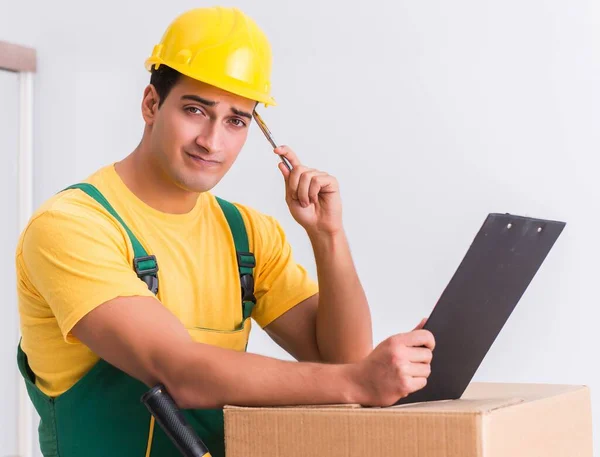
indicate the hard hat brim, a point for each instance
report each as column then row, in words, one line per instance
column 231, row 85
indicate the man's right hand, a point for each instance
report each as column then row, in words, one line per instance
column 397, row 367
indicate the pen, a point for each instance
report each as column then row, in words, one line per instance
column 270, row 138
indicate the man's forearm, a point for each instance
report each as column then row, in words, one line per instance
column 344, row 332
column 204, row 376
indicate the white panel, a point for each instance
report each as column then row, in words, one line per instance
column 9, row 143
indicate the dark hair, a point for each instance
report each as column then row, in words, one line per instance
column 163, row 79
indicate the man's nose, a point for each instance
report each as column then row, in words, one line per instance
column 210, row 138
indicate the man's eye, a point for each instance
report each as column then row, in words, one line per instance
column 238, row 122
column 194, row 110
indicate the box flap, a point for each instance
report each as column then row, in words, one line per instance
column 479, row 398
column 483, row 398
column 336, row 407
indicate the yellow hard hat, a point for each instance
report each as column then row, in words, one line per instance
column 219, row 46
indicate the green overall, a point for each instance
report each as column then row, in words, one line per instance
column 102, row 415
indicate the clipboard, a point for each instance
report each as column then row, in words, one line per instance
column 493, row 276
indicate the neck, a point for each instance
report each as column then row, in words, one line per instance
column 151, row 185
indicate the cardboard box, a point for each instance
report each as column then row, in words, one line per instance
column 490, row 420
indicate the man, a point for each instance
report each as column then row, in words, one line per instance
column 141, row 276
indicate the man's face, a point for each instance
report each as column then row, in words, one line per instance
column 198, row 132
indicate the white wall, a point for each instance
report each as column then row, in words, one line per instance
column 9, row 232
column 431, row 114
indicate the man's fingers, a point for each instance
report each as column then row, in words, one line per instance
column 419, row 370
column 288, row 153
column 315, row 188
column 294, row 180
column 291, row 177
column 417, row 383
column 419, row 355
column 304, row 185
column 284, row 171
column 418, row 338
column 421, row 324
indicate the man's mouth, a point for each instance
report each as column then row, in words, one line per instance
column 199, row 159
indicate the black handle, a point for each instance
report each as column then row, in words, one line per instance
column 165, row 411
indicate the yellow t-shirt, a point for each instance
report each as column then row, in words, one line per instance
column 73, row 256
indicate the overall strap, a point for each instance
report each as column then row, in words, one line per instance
column 245, row 259
column 145, row 266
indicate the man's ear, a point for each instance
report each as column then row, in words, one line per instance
column 150, row 104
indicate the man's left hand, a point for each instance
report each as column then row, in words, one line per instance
column 313, row 196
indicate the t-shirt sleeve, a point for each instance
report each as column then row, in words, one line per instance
column 280, row 282
column 77, row 262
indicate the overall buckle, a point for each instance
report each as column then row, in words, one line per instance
column 146, row 268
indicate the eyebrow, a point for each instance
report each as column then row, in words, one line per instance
column 212, row 103
column 241, row 113
column 201, row 100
